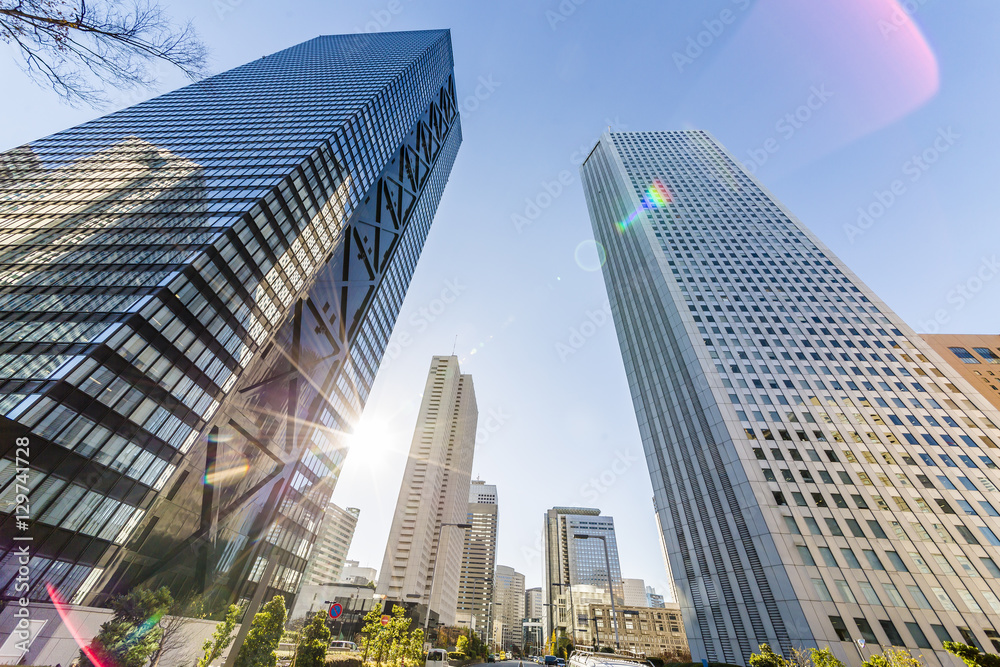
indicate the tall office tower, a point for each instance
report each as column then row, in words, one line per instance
column 820, row 473
column 479, row 559
column 196, row 294
column 634, row 592
column 508, row 603
column 534, row 603
column 326, row 563
column 976, row 357
column 576, row 570
column 423, row 557
column 653, row 599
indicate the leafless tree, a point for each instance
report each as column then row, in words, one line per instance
column 81, row 50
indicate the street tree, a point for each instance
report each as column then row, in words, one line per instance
column 215, row 645
column 766, row 657
column 825, row 658
column 132, row 635
column 82, row 49
column 462, row 645
column 372, row 634
column 971, row 655
column 397, row 638
column 892, row 657
column 415, row 652
column 259, row 647
column 313, row 642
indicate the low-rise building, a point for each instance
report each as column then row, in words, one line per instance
column 654, row 632
column 353, row 573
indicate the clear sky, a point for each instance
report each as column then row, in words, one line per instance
column 833, row 104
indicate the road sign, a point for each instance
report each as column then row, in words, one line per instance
column 336, row 610
column 861, row 643
column 385, row 620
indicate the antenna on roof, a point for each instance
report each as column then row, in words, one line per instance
column 455, row 345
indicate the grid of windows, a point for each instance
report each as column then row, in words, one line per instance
column 196, row 293
column 778, row 398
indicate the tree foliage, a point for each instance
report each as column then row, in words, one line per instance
column 259, row 648
column 132, row 634
column 767, row 658
column 971, row 655
column 415, row 652
column 313, row 642
column 892, row 657
column 462, row 645
column 824, row 658
column 82, row 49
column 220, row 639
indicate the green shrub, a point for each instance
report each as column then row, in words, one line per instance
column 343, row 661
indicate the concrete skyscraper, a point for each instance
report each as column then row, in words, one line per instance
column 534, row 603
column 479, row 559
column 326, row 563
column 820, row 473
column 197, row 292
column 423, row 557
column 508, row 604
column 576, row 570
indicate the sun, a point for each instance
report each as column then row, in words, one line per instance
column 371, row 442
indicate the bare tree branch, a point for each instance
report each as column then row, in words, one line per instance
column 81, row 51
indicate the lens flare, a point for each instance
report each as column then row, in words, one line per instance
column 227, row 474
column 63, row 610
column 590, row 255
column 656, row 196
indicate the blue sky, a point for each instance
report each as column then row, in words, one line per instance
column 838, row 107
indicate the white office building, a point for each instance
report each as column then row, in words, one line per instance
column 423, row 557
column 821, row 475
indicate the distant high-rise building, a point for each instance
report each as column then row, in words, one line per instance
column 479, row 559
column 534, row 603
column 330, row 551
column 634, row 591
column 976, row 357
column 653, row 599
column 423, row 557
column 353, row 573
column 820, row 473
column 508, row 607
column 197, row 292
column 576, row 570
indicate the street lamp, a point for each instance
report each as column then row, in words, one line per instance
column 607, row 561
column 427, row 618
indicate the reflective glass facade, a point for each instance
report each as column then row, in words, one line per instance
column 195, row 296
column 820, row 473
column 576, row 570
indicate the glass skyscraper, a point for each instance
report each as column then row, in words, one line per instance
column 576, row 570
column 820, row 474
column 195, row 296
